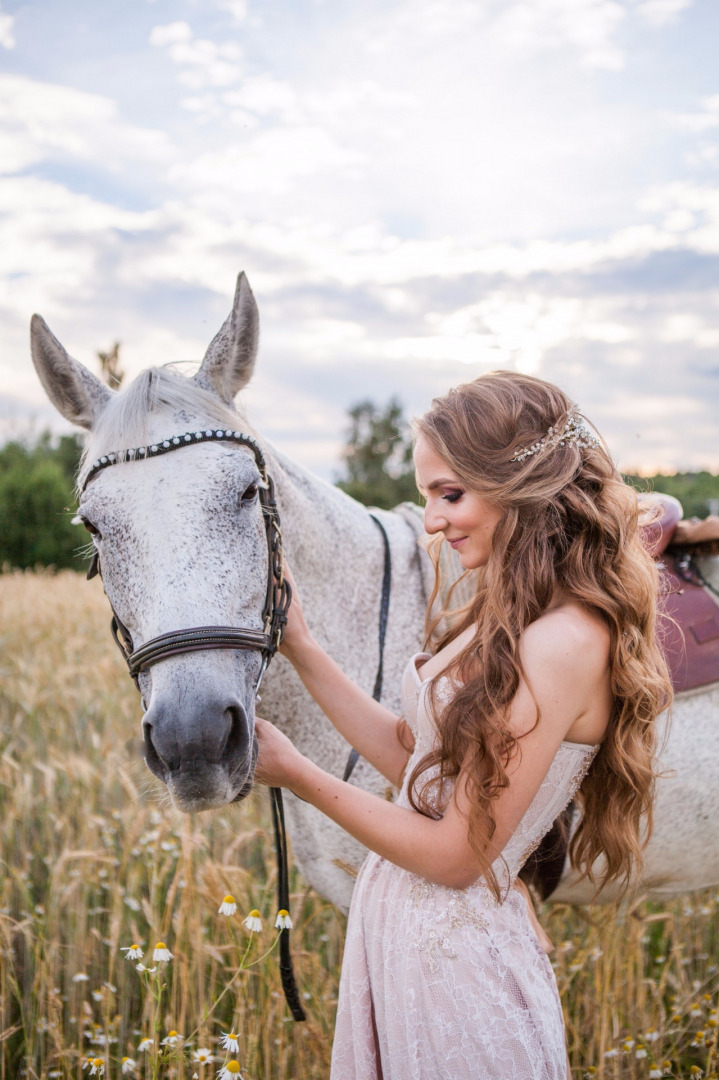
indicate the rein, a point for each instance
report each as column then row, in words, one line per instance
column 265, row 641
column 383, row 613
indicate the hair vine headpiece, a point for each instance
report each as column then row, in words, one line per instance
column 574, row 430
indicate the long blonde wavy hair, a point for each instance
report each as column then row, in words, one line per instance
column 569, row 523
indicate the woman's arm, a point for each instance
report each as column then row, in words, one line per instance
column 369, row 727
column 563, row 669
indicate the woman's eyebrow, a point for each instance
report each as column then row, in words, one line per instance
column 442, row 482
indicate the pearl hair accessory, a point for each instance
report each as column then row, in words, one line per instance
column 575, row 430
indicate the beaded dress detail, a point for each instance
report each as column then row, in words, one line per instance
column 448, row 984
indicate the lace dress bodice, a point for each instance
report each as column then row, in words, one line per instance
column 558, row 788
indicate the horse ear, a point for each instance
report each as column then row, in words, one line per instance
column 230, row 357
column 74, row 391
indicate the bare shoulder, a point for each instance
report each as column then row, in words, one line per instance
column 568, row 637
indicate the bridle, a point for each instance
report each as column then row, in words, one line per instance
column 265, row 641
column 278, row 595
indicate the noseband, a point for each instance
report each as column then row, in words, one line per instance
column 265, row 641
column 278, row 595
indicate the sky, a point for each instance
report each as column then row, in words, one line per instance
column 418, row 191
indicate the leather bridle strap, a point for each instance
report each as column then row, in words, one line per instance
column 201, row 637
column 383, row 614
column 289, row 986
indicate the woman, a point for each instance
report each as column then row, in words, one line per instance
column 550, row 678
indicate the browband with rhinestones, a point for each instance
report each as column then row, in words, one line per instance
column 163, row 446
column 575, row 430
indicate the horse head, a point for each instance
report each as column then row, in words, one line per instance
column 181, row 542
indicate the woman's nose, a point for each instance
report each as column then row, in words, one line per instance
column 435, row 519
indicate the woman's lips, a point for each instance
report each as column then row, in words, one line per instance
column 456, row 543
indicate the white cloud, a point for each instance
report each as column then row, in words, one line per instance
column 170, row 34
column 706, row 118
column 204, row 62
column 7, row 40
column 237, row 9
column 463, row 195
column 588, row 26
column 39, row 121
column 660, row 12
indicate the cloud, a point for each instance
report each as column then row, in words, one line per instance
column 586, row 26
column 7, row 39
column 41, row 121
column 706, row 118
column 660, row 12
column 204, row 62
column 399, row 238
column 237, row 9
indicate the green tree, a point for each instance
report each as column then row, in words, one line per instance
column 36, row 496
column 378, row 456
column 698, row 492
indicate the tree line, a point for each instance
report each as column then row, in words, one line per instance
column 37, row 478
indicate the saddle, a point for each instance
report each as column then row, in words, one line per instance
column 690, row 631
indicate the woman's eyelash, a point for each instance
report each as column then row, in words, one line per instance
column 453, row 496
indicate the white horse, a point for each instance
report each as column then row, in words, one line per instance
column 181, row 542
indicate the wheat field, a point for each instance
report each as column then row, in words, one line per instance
column 95, row 861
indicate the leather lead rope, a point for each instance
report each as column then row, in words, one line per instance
column 383, row 613
column 289, row 986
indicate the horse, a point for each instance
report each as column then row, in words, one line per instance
column 181, row 541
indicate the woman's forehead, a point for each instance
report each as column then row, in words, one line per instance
column 430, row 468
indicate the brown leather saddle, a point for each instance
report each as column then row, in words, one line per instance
column 689, row 636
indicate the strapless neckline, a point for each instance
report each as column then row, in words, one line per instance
column 421, row 683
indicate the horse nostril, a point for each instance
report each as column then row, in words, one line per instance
column 237, row 739
column 158, row 763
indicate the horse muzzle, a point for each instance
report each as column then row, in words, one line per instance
column 205, row 754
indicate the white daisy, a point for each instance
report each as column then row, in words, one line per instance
column 133, row 952
column 230, row 1071
column 283, row 920
column 171, row 1039
column 230, row 1042
column 161, row 953
column 128, row 1066
column 80, row 976
column 149, row 971
column 146, row 1044
column 228, row 906
column 253, row 922
column 202, row 1056
column 98, row 1067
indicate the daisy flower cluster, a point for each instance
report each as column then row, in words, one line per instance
column 253, row 921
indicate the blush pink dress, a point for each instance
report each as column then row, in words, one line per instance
column 448, row 984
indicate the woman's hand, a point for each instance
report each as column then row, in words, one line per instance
column 277, row 758
column 297, row 633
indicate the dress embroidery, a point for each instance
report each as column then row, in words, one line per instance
column 452, row 911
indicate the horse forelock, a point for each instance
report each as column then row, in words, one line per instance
column 157, row 392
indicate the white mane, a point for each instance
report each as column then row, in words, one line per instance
column 124, row 423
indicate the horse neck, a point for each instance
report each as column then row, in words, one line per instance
column 331, row 543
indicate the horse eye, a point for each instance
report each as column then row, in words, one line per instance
column 249, row 495
column 91, row 528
